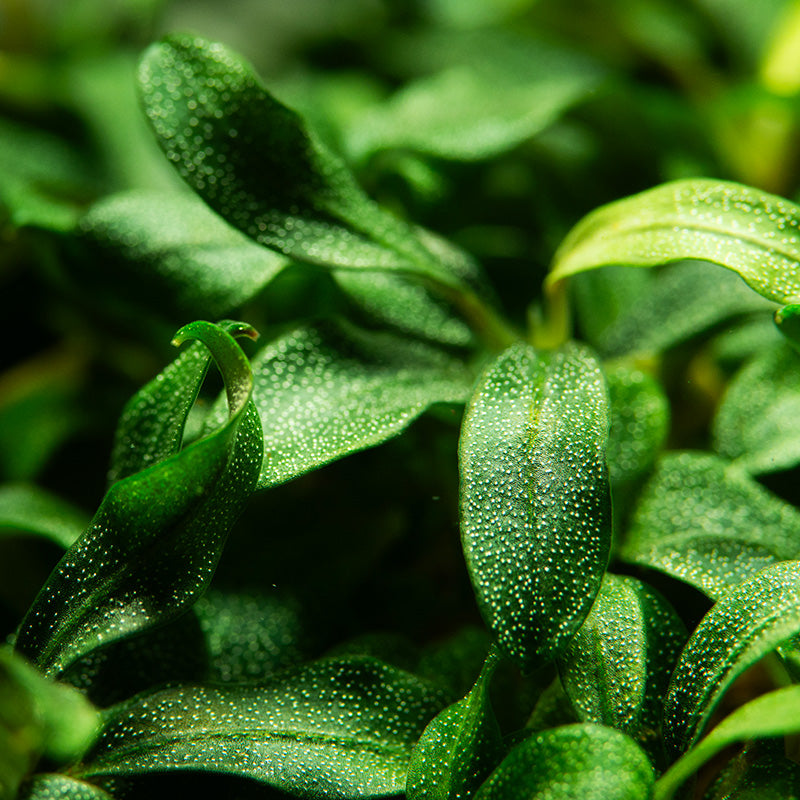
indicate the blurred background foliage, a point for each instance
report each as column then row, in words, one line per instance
column 598, row 99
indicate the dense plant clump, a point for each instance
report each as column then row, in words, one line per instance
column 474, row 473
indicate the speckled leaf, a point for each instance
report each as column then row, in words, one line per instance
column 774, row 714
column 326, row 391
column 639, row 422
column 54, row 786
column 761, row 772
column 584, row 761
column 30, row 510
column 155, row 540
column 170, row 251
column 707, row 523
column 744, row 229
column 151, row 426
column 746, row 623
column 337, row 728
column 460, row 746
column 464, row 114
column 757, row 422
column 617, row 667
column 254, row 162
column 535, row 505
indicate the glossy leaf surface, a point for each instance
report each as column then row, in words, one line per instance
column 587, row 761
column 756, row 423
column 708, row 524
column 617, row 667
column 334, row 728
column 54, row 786
column 774, row 714
column 459, row 748
column 172, row 251
column 31, row 510
column 746, row 230
column 326, row 391
column 535, row 505
column 155, row 540
column 747, row 622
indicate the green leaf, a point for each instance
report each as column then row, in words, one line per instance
column 738, row 227
column 707, row 523
column 329, row 390
column 34, row 511
column 587, row 761
column 333, row 728
column 254, row 162
column 464, row 113
column 39, row 716
column 747, row 622
column 170, row 251
column 774, row 714
column 756, row 420
column 617, row 667
column 460, row 746
column 639, row 422
column 155, row 540
column 61, row 787
column 761, row 772
column 535, row 504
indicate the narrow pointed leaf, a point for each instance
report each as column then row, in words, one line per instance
column 535, row 505
column 459, row 748
column 744, row 229
column 156, row 538
column 253, row 161
column 338, row 728
column 617, row 667
column 54, row 786
column 757, row 422
column 326, row 391
column 171, row 252
column 31, row 510
column 748, row 622
column 774, row 714
column 707, row 523
column 587, row 761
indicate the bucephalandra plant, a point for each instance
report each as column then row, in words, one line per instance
column 631, row 556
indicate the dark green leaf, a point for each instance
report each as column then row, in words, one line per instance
column 326, row 391
column 61, row 787
column 535, row 505
column 171, row 251
column 552, row 710
column 708, row 524
column 761, row 772
column 639, row 422
column 155, row 540
column 773, row 714
column 747, row 622
column 459, row 748
column 577, row 761
column 756, row 423
column 746, row 230
column 617, row 667
column 31, row 510
column 334, row 728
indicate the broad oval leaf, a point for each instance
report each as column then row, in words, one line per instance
column 337, row 728
column 744, row 229
column 747, row 622
column 171, row 252
column 756, row 423
column 588, row 761
column 617, row 667
column 329, row 390
column 460, row 746
column 156, row 538
column 774, row 714
column 535, row 504
column 54, row 786
column 32, row 510
column 707, row 523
